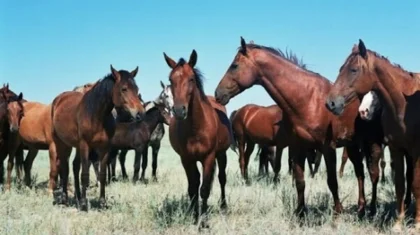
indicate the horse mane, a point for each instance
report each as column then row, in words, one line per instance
column 102, row 90
column 198, row 75
column 288, row 55
column 395, row 65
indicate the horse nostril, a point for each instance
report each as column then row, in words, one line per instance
column 362, row 113
column 139, row 116
column 332, row 104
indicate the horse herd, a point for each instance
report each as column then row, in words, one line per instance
column 371, row 105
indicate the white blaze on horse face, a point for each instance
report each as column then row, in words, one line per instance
column 367, row 106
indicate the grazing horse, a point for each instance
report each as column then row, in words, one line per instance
column 165, row 98
column 85, row 121
column 368, row 110
column 398, row 90
column 137, row 135
column 200, row 131
column 284, row 78
column 253, row 124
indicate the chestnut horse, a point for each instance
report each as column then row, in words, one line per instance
column 200, row 131
column 398, row 91
column 284, row 78
column 254, row 124
column 85, row 121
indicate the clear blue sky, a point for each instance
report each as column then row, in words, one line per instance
column 47, row 47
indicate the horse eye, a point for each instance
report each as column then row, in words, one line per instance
column 124, row 89
column 233, row 66
column 354, row 70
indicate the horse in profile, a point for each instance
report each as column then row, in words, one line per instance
column 200, row 131
column 254, row 124
column 165, row 98
column 301, row 94
column 85, row 121
column 398, row 91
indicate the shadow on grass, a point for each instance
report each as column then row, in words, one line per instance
column 172, row 211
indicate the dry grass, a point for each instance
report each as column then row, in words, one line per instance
column 159, row 208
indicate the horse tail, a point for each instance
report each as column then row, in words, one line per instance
column 234, row 141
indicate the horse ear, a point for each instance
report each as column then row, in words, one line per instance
column 193, row 59
column 134, row 72
column 162, row 85
column 362, row 49
column 115, row 74
column 243, row 46
column 20, row 97
column 171, row 63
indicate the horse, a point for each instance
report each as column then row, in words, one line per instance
column 399, row 112
column 199, row 132
column 266, row 154
column 254, row 124
column 368, row 109
column 398, row 90
column 85, row 121
column 136, row 136
column 284, row 77
column 165, row 98
column 8, row 140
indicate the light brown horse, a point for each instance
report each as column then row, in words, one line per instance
column 301, row 95
column 398, row 91
column 254, row 124
column 85, row 121
column 200, row 131
column 32, row 121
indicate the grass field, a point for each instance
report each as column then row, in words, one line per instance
column 159, row 208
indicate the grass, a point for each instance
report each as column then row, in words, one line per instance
column 161, row 207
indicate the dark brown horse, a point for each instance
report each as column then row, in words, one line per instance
column 398, row 91
column 85, row 121
column 284, row 78
column 253, row 124
column 200, row 131
column 8, row 140
column 136, row 136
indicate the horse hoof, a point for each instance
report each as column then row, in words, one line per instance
column 154, row 179
column 301, row 212
column 340, row 174
column 397, row 228
column 144, row 180
column 247, row 182
column 83, row 204
column 223, row 205
column 102, row 203
column 204, row 225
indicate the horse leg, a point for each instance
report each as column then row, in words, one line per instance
column 84, row 156
column 241, row 147
column 311, row 159
column 299, row 158
column 344, row 158
column 123, row 154
column 155, row 152
column 383, row 165
column 54, row 163
column 13, row 148
column 113, row 162
column 397, row 157
column 137, row 159
column 222, row 162
column 356, row 157
column 30, row 157
column 416, row 190
column 76, row 175
column 318, row 158
column 63, row 154
column 409, row 178
column 193, row 176
column 3, row 155
column 103, row 158
column 262, row 161
column 330, row 157
column 19, row 163
column 144, row 159
column 373, row 153
column 208, row 173
column 277, row 164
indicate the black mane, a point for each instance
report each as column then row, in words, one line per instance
column 198, row 78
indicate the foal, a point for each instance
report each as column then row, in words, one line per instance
column 200, row 131
column 137, row 135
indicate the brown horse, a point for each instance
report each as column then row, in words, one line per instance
column 284, row 77
column 200, row 131
column 253, row 124
column 398, row 91
column 136, row 136
column 8, row 140
column 85, row 121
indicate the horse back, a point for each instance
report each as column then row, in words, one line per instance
column 224, row 130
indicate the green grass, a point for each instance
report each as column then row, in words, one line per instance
column 161, row 208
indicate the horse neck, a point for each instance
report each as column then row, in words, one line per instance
column 393, row 85
column 100, row 108
column 152, row 120
column 196, row 118
column 291, row 87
